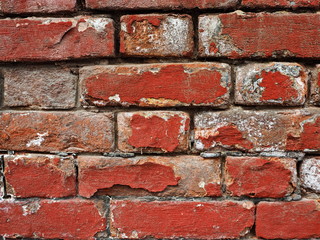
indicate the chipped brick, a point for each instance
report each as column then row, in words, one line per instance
column 310, row 174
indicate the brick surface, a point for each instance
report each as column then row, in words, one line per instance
column 271, row 35
column 260, row 177
column 50, row 39
column 1, row 178
column 160, row 4
column 315, row 86
column 281, row 4
column 159, row 131
column 66, row 219
column 185, row 176
column 288, row 220
column 157, row 85
column 310, row 174
column 271, row 84
column 37, row 6
column 295, row 130
column 200, row 220
column 56, row 131
column 39, row 176
column 55, row 87
column 162, row 35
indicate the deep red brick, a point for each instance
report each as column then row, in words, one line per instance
column 281, row 3
column 50, row 39
column 271, row 84
column 159, row 131
column 159, row 85
column 65, row 219
column 162, row 35
column 260, row 177
column 160, row 4
column 263, row 35
column 39, row 176
column 37, row 6
column 256, row 131
column 185, row 176
column 56, row 131
column 288, row 220
column 199, row 220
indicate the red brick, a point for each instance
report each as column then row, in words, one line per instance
column 160, row 4
column 240, row 35
column 315, row 86
column 271, row 84
column 39, row 176
column 56, row 87
column 157, row 85
column 160, row 131
column 295, row 130
column 56, row 131
column 281, row 3
column 260, row 177
column 162, row 35
column 66, row 219
column 310, row 174
column 184, row 176
column 288, row 220
column 200, row 220
column 37, row 6
column 50, row 39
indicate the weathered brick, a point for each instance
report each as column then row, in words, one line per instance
column 162, row 35
column 310, row 174
column 199, row 220
column 56, row 131
column 185, row 176
column 271, row 84
column 281, row 4
column 1, row 178
column 315, row 86
column 159, row 131
column 50, row 39
column 288, row 220
column 260, row 177
column 263, row 35
column 295, row 130
column 39, row 176
column 160, row 4
column 65, row 219
column 37, row 6
column 157, row 85
column 55, row 87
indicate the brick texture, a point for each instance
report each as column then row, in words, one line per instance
column 137, row 219
column 185, row 176
column 56, row 87
column 271, row 35
column 40, row 176
column 315, row 86
column 51, row 39
column 157, row 85
column 56, row 131
column 281, row 4
column 310, row 174
column 156, row 35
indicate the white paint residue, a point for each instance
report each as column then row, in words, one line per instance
column 116, row 98
column 310, row 174
column 202, row 184
column 30, row 208
column 98, row 24
column 38, row 141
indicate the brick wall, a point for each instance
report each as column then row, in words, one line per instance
column 164, row 119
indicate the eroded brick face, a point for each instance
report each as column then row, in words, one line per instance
column 67, row 219
column 281, row 3
column 315, row 86
column 310, row 174
column 52, row 39
column 271, row 84
column 40, row 176
column 301, row 220
column 227, row 35
column 157, row 85
column 185, row 176
column 156, row 35
column 139, row 219
column 56, row 131
column 137, row 131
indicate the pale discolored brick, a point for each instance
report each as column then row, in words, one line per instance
column 310, row 174
column 294, row 4
column 315, row 86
